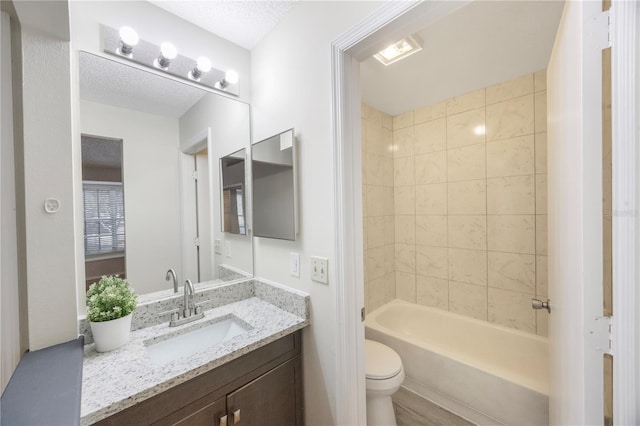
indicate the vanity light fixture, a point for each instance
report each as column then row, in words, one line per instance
column 399, row 50
column 230, row 77
column 164, row 58
column 128, row 39
column 203, row 65
column 168, row 52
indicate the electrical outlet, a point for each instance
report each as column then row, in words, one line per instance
column 294, row 264
column 227, row 248
column 218, row 246
column 320, row 269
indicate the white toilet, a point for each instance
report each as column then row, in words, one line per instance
column 385, row 373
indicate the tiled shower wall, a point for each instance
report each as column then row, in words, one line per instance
column 469, row 181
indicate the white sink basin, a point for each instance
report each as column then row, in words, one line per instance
column 163, row 350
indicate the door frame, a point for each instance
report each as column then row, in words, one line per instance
column 392, row 21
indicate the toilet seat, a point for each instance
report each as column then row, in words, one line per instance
column 381, row 362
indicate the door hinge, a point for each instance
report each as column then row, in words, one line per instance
column 194, row 175
column 603, row 21
column 363, row 314
column 600, row 334
column 196, row 242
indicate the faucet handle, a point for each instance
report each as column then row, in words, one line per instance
column 198, row 310
column 175, row 316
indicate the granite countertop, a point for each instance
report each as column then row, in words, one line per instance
column 116, row 380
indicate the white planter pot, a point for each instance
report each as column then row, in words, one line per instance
column 110, row 335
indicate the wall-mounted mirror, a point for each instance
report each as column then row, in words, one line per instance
column 274, row 186
column 232, row 169
column 172, row 136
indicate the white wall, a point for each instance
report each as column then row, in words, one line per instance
column 291, row 87
column 150, row 166
column 228, row 121
column 9, row 296
column 156, row 25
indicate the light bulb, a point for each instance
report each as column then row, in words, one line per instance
column 231, row 77
column 168, row 50
column 128, row 39
column 203, row 64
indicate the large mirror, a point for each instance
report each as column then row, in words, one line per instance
column 151, row 149
column 275, row 213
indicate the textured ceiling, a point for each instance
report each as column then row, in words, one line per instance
column 244, row 23
column 483, row 43
column 112, row 83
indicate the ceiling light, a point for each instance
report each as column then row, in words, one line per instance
column 230, row 77
column 128, row 39
column 399, row 50
column 203, row 65
column 168, row 52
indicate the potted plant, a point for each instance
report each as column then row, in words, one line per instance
column 110, row 305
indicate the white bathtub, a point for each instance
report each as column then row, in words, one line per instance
column 485, row 373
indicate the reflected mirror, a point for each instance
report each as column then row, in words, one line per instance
column 169, row 137
column 274, row 187
column 232, row 168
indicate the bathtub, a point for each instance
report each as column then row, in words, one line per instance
column 482, row 372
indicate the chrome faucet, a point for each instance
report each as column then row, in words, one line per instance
column 188, row 314
column 172, row 274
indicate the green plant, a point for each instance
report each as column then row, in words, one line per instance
column 110, row 298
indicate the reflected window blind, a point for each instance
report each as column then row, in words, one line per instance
column 103, row 217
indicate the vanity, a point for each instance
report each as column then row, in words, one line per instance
column 252, row 375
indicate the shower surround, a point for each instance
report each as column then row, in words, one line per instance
column 454, row 200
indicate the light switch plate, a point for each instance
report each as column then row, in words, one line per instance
column 218, row 246
column 320, row 269
column 294, row 264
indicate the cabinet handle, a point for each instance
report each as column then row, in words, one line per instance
column 223, row 420
column 236, row 417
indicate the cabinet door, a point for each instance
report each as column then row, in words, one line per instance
column 209, row 415
column 270, row 399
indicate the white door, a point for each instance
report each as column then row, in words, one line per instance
column 574, row 99
column 205, row 219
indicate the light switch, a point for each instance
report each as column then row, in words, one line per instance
column 320, row 269
column 294, row 264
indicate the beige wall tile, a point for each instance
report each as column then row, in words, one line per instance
column 404, row 200
column 511, row 309
column 387, row 171
column 431, row 261
column 510, row 118
column 541, row 111
column 405, row 230
column 431, row 199
column 431, row 136
column 467, row 197
column 371, row 114
column 387, row 148
column 374, row 198
column 375, row 263
column 387, row 121
column 468, row 266
column 404, row 171
column 403, row 143
column 510, row 89
column 375, row 231
column 403, row 120
column 430, row 112
column 389, row 258
column 432, row 292
column 377, row 292
column 405, row 257
column 390, row 284
column 540, row 80
column 365, row 239
column 372, row 136
column 511, row 271
column 511, row 233
column 468, row 300
column 541, row 234
column 511, row 195
column 467, row 163
column 431, row 230
column 542, row 278
column 471, row 100
column 542, row 323
column 468, row 231
column 541, row 152
column 388, row 200
column 406, row 286
column 541, row 194
column 466, row 128
column 389, row 230
column 431, row 168
column 511, row 157
column 373, row 165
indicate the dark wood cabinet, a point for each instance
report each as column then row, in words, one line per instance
column 263, row 387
